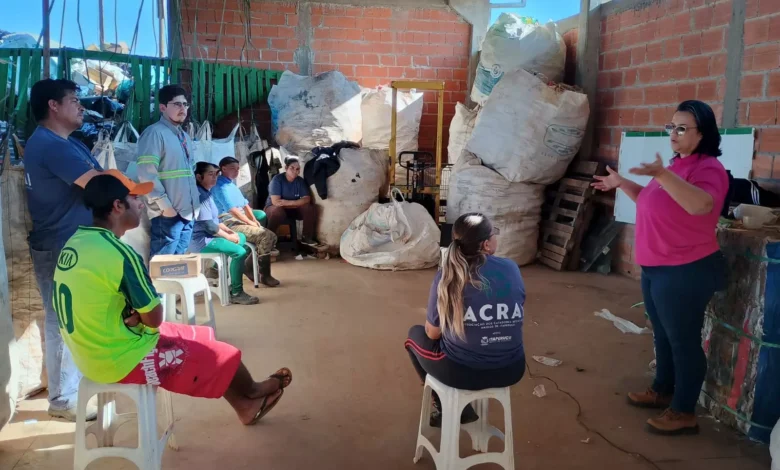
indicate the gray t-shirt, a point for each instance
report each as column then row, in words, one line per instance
column 493, row 318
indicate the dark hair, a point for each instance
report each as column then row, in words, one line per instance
column 169, row 92
column 707, row 125
column 101, row 192
column 49, row 89
column 202, row 167
column 227, row 161
column 291, row 160
column 461, row 265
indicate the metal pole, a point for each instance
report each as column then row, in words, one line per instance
column 100, row 23
column 46, row 41
column 161, row 8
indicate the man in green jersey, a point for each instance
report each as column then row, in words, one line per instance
column 111, row 317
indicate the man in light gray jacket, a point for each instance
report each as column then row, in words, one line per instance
column 166, row 158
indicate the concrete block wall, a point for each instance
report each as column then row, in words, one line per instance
column 370, row 44
column 653, row 55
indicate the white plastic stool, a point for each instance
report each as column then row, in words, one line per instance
column 453, row 401
column 148, row 454
column 223, row 279
column 255, row 266
column 186, row 288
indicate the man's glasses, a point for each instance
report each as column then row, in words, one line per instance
column 180, row 104
column 679, row 130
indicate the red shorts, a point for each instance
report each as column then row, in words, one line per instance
column 188, row 360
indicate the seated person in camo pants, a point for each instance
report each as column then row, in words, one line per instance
column 210, row 236
column 237, row 215
column 111, row 318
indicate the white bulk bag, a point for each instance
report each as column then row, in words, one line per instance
column 9, row 358
column 377, row 109
column 26, row 304
column 351, row 190
column 395, row 236
column 774, row 447
column 124, row 149
column 530, row 131
column 139, row 238
column 103, row 151
column 461, row 128
column 308, row 112
column 511, row 44
column 515, row 208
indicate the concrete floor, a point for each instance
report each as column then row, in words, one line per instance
column 355, row 401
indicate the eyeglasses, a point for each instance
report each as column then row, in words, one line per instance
column 180, row 104
column 680, row 130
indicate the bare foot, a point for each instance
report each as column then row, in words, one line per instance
column 264, row 388
column 252, row 410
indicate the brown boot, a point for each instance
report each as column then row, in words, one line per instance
column 649, row 399
column 672, row 423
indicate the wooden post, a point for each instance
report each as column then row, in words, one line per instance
column 46, row 41
column 587, row 68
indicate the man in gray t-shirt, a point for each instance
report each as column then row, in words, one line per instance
column 165, row 157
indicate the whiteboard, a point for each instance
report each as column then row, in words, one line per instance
column 641, row 147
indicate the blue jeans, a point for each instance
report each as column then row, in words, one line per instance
column 62, row 373
column 170, row 235
column 676, row 299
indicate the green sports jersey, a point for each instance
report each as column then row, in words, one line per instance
column 98, row 279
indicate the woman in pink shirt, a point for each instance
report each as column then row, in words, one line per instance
column 682, row 266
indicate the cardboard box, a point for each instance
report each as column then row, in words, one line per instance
column 174, row 266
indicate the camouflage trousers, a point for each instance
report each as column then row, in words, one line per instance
column 263, row 239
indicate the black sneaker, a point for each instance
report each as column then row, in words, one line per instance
column 468, row 416
column 242, row 298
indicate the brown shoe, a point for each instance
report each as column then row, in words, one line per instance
column 649, row 399
column 672, row 423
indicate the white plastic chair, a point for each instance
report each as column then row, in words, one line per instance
column 255, row 265
column 223, row 278
column 186, row 288
column 453, row 401
column 148, row 454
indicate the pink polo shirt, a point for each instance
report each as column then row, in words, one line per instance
column 666, row 235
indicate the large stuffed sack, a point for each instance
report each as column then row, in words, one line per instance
column 514, row 208
column 139, row 238
column 517, row 43
column 351, row 191
column 530, row 131
column 103, row 151
column 25, row 300
column 774, row 447
column 461, row 128
column 395, row 236
column 9, row 360
column 319, row 111
column 377, row 108
column 124, row 149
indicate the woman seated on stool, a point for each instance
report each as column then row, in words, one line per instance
column 289, row 199
column 210, row 236
column 473, row 334
column 237, row 215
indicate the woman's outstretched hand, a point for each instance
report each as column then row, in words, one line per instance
column 654, row 169
column 607, row 183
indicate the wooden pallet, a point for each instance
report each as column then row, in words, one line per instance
column 565, row 217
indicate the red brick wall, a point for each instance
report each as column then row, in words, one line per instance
column 372, row 45
column 760, row 86
column 654, row 57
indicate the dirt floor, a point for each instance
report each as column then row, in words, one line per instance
column 355, row 400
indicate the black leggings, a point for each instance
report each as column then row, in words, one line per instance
column 427, row 358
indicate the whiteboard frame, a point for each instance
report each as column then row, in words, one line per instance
column 640, row 147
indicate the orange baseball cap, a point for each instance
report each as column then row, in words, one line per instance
column 136, row 189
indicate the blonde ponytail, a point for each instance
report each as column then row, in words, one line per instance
column 456, row 271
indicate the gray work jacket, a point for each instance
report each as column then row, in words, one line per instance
column 163, row 160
